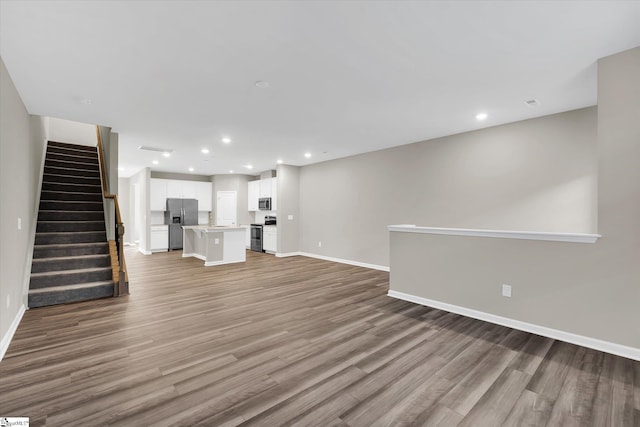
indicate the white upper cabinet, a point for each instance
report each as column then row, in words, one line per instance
column 265, row 187
column 262, row 188
column 253, row 194
column 163, row 189
column 158, row 194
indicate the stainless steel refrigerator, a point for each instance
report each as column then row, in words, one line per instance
column 180, row 212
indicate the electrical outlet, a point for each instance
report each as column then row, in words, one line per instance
column 506, row 291
column 19, row 223
column 290, row 217
column 216, row 241
column 319, row 244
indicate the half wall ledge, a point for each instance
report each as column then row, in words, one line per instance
column 501, row 234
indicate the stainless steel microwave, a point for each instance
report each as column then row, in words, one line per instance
column 264, row 203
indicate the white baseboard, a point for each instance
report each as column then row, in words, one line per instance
column 596, row 344
column 144, row 252
column 202, row 257
column 6, row 339
column 345, row 261
column 287, row 254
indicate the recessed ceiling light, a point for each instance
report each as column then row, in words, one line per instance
column 481, row 116
column 262, row 84
column 231, row 171
column 307, row 155
column 226, row 140
column 279, row 161
column 121, row 168
column 155, row 162
column 166, row 154
column 249, row 166
column 205, row 151
column 532, row 102
column 86, row 101
column 191, row 169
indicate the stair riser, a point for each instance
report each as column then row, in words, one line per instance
column 62, row 179
column 81, row 157
column 72, row 164
column 50, row 227
column 62, row 297
column 49, row 205
column 74, row 172
column 70, row 264
column 59, row 239
column 72, row 152
column 70, row 278
column 70, row 216
column 62, row 196
column 89, row 148
column 71, row 188
column 70, row 250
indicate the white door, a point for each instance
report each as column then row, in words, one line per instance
column 226, row 208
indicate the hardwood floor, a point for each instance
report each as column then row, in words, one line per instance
column 295, row 341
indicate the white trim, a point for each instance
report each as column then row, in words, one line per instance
column 6, row 339
column 221, row 262
column 596, row 344
column 346, row 261
column 142, row 251
column 503, row 234
column 287, row 254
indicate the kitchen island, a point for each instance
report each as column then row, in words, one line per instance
column 215, row 245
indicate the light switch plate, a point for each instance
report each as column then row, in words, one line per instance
column 290, row 217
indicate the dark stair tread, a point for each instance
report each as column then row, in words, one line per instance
column 66, row 245
column 69, row 201
column 71, row 287
column 64, row 272
column 50, row 174
column 70, row 192
column 69, row 232
column 82, row 221
column 70, row 258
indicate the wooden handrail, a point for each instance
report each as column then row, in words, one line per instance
column 122, row 287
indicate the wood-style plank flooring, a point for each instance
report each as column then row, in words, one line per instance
column 295, row 341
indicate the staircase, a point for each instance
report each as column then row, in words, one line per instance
column 71, row 260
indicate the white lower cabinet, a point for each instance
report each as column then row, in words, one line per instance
column 159, row 238
column 270, row 238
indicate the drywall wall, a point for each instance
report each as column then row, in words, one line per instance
column 181, row 176
column 237, row 183
column 139, row 210
column 22, row 144
column 124, row 198
column 72, row 132
column 592, row 290
column 534, row 175
column 288, row 209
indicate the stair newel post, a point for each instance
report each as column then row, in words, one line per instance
column 123, row 285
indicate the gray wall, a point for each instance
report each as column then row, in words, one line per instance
column 22, row 142
column 124, row 198
column 182, row 176
column 586, row 289
column 288, row 204
column 237, row 183
column 537, row 174
column 140, row 219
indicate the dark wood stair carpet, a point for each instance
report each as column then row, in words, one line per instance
column 71, row 259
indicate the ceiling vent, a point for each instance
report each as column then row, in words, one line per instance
column 532, row 102
column 156, row 149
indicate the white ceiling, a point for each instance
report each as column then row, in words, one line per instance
column 346, row 77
